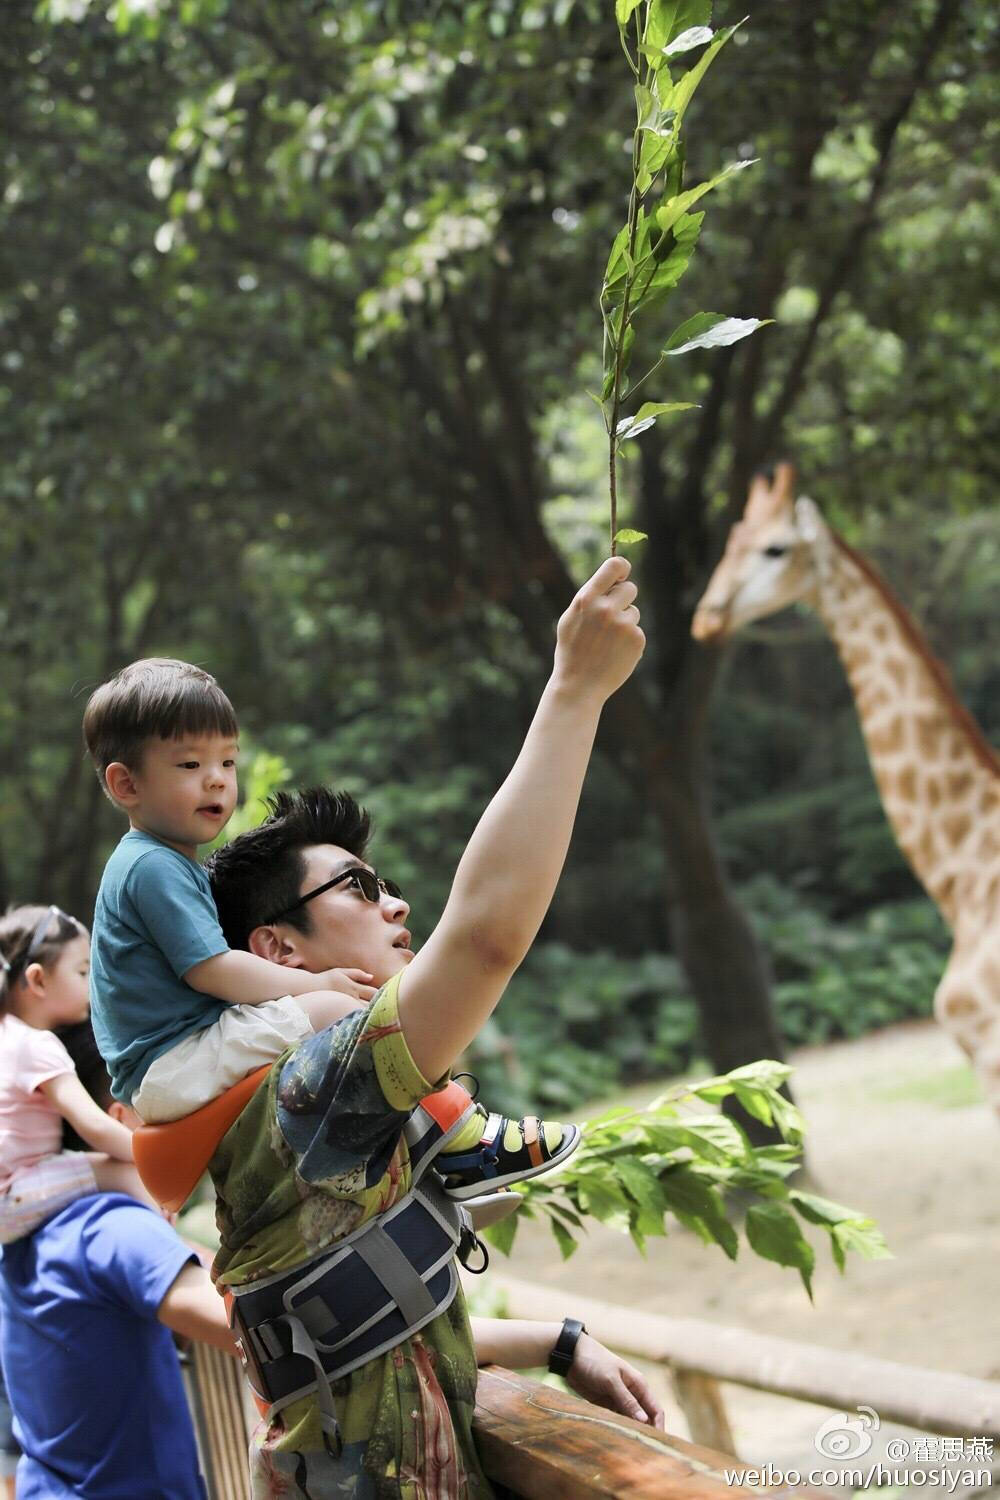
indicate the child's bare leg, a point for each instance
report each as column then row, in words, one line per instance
column 324, row 1007
column 120, row 1177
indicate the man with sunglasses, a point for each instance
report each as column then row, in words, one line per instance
column 180, row 1018
column 326, row 1148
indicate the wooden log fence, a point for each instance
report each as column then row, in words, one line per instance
column 701, row 1354
column 536, row 1442
column 541, row 1443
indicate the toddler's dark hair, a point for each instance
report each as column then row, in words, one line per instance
column 31, row 934
column 155, row 698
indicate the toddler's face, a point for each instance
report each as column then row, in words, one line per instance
column 64, row 1000
column 185, row 789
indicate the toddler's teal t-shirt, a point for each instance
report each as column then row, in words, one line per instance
column 154, row 920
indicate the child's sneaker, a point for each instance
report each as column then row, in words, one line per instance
column 507, row 1151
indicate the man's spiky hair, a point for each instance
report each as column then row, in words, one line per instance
column 260, row 873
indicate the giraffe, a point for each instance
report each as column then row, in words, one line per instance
column 937, row 775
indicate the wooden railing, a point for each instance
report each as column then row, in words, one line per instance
column 699, row 1355
column 536, row 1442
column 541, row 1443
column 224, row 1418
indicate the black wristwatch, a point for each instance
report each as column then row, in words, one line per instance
column 564, row 1347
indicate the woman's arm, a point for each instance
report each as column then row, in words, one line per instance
column 71, row 1099
column 596, row 1374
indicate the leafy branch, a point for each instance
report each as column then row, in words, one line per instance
column 651, row 252
column 636, row 1167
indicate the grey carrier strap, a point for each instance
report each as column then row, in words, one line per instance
column 306, row 1327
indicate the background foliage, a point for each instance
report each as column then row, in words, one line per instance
column 298, row 308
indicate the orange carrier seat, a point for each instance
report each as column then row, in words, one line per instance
column 172, row 1159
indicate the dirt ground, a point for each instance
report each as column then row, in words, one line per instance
column 896, row 1126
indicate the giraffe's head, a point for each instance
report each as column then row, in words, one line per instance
column 774, row 556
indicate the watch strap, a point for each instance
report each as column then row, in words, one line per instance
column 561, row 1357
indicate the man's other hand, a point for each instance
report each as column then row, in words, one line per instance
column 606, row 1380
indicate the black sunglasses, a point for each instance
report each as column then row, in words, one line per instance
column 371, row 886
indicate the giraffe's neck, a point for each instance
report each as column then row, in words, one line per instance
column 936, row 774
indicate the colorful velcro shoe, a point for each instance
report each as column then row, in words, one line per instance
column 508, row 1151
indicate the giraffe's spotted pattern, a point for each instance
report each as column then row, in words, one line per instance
column 937, row 777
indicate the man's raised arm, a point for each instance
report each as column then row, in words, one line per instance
column 508, row 873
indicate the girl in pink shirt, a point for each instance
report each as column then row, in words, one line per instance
column 44, row 965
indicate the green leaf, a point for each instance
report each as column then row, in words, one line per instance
column 565, row 1241
column 655, row 152
column 671, row 209
column 680, row 95
column 568, row 1215
column 712, row 1090
column 627, row 343
column 787, row 1117
column 864, row 1237
column 820, row 1210
column 644, row 227
column 839, row 1254
column 711, row 331
column 645, row 417
column 604, row 1199
column 694, row 36
column 697, row 1204
column 630, row 427
column 715, row 1137
column 652, row 287
column 626, row 537
column 616, row 1112
column 641, row 1184
column 624, row 9
column 657, row 408
column 774, row 1234
column 754, row 1102
column 502, row 1235
column 646, row 103
column 669, row 18
column 766, row 1072
column 638, row 1238
column 616, row 267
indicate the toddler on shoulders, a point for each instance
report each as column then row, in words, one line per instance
column 44, row 961
column 179, row 1016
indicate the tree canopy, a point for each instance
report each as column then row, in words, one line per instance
column 300, row 308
